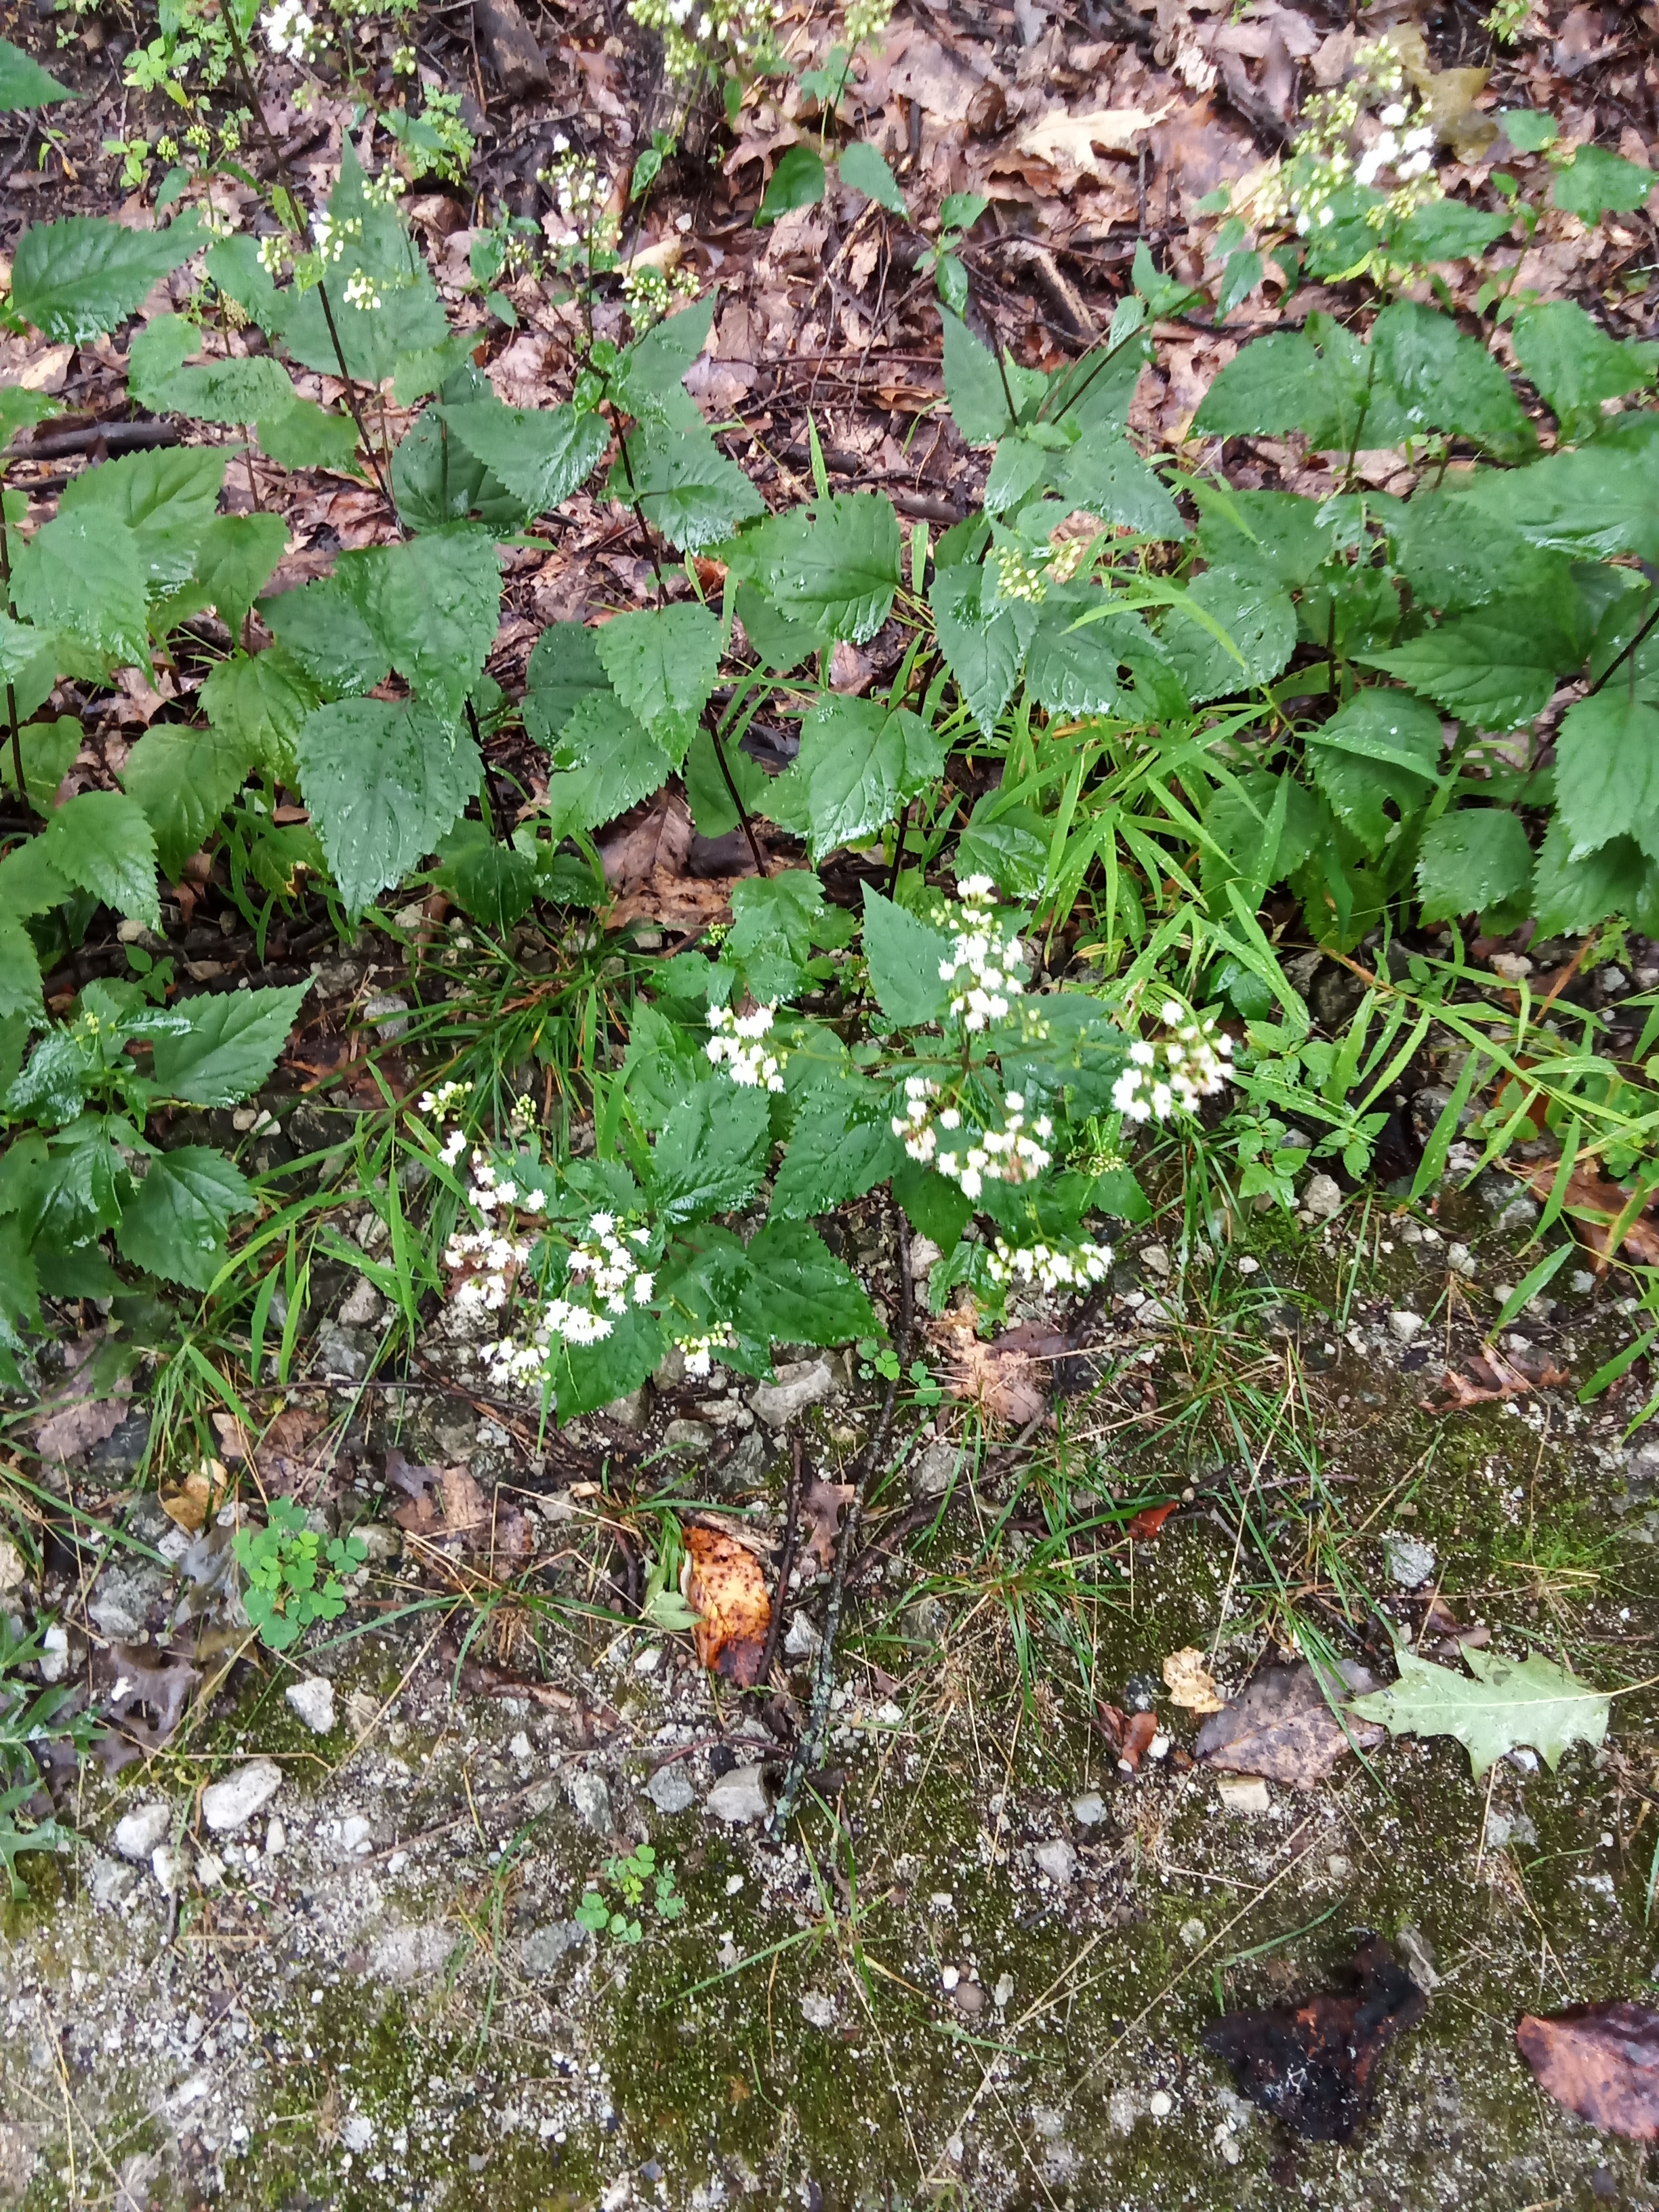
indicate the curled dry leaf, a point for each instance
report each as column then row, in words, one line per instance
column 1493, row 1375
column 1595, row 1206
column 1147, row 1522
column 1191, row 1685
column 1315, row 2065
column 1076, row 142
column 198, row 1497
column 1139, row 1730
column 1281, row 1725
column 1600, row 2062
column 727, row 1587
column 1007, row 1379
column 821, row 1505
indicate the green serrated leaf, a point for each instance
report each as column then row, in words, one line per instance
column 234, row 560
column 1471, row 861
column 73, row 280
column 384, row 781
column 305, row 436
column 856, row 766
column 711, row 1155
column 1509, row 1702
column 832, row 564
column 232, row 1045
column 541, row 454
column 101, row 842
column 842, row 1145
column 974, row 385
column 259, row 702
column 1595, row 182
column 617, row 764
column 1110, row 480
column 564, row 669
column 166, row 498
column 82, row 574
column 1574, row 364
column 1258, row 619
column 905, row 956
column 1495, row 668
column 795, row 1294
column 798, row 181
column 863, row 168
column 184, row 779
column 24, row 83
column 983, row 648
column 433, row 604
column 20, row 969
column 662, row 663
column 48, row 750
column 1606, row 772
column 684, row 485
column 175, row 1223
column 324, row 628
column 1446, row 380
column 493, row 883
column 232, row 391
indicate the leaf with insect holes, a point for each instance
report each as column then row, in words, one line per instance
column 24, row 83
column 684, row 485
column 1510, row 1703
column 73, row 280
column 184, row 779
column 230, row 1048
column 101, row 841
column 662, row 663
column 542, row 454
column 384, row 781
column 175, row 1224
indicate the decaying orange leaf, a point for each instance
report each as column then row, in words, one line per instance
column 1493, row 1377
column 727, row 1588
column 1600, row 2062
column 1009, row 1378
column 1595, row 1206
column 200, row 1494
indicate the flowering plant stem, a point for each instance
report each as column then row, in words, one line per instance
column 24, row 799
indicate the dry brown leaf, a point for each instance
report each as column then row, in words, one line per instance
column 197, row 1498
column 281, row 1456
column 1594, row 1205
column 1008, row 1378
column 727, row 1586
column 1491, row 1378
column 467, row 1509
column 1138, row 1733
column 1190, row 1683
column 655, row 841
column 1280, row 1726
column 821, row 1508
column 1069, row 142
column 1600, row 2062
column 77, row 1420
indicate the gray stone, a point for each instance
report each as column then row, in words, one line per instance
column 1404, row 1326
column 817, row 2009
column 1057, row 1860
column 166, row 1863
column 122, row 1451
column 1245, row 1793
column 694, row 1437
column 410, row 1955
column 1504, row 1829
column 590, row 1793
column 1089, row 1810
column 345, row 1355
column 803, row 1638
column 137, row 1833
column 1462, row 1262
column 801, row 1383
column 1642, row 1471
column 1417, row 1953
column 739, row 1796
column 313, row 1701
column 631, row 1412
column 931, row 1471
column 670, row 1789
column 130, row 1598
column 1409, row 1560
column 1155, row 1258
column 362, row 1309
column 232, row 1803
column 1322, row 1198
column 543, row 1949
column 109, row 1882
column 388, row 1012
column 382, row 1541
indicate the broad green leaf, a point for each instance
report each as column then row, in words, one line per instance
column 184, row 779
column 1257, row 618
column 28, row 662
column 777, row 642
column 383, row 782
column 833, row 564
column 905, row 957
column 73, row 280
column 233, row 1044
column 324, row 626
column 1110, row 480
column 101, row 841
column 1384, row 746
column 1096, row 391
column 983, row 654
column 541, row 454
column 24, row 83
column 304, row 435
column 564, row 668
column 1446, row 380
column 1527, row 131
column 29, row 884
column 684, row 485
column 1606, row 772
column 617, row 764
column 174, row 1225
column 493, row 883
column 83, row 573
column 1010, row 844
column 1497, row 668
column 1268, row 387
column 1239, row 278
column 662, row 663
column 1509, row 1702
column 167, row 499
column 1454, row 557
column 842, row 1145
column 1063, row 1042
column 1619, row 632
column 1472, row 860
column 409, row 319
column 661, row 1063
column 1616, row 878
column 1600, row 500
column 260, row 703
column 234, row 560
column 656, row 364
column 863, row 168
column 713, row 812
column 1073, row 667
column 435, row 480
column 20, row 969
column 795, row 1294
column 1267, row 825
column 711, row 1155
column 1021, row 466
column 1574, row 364
column 48, row 750
column 782, row 916
column 587, row 1376
column 856, row 765
column 1447, row 230
column 435, row 603
column 1595, row 182
column 235, row 390
column 798, row 181
column 975, row 388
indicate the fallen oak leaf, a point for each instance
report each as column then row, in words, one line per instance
column 1069, row 142
column 1282, row 1726
column 1004, row 1378
column 1509, row 1702
column 1315, row 2065
column 726, row 1584
column 1190, row 1683
column 1601, row 2061
column 1493, row 1377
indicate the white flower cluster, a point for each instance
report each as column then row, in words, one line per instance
column 700, row 34
column 361, row 291
column 738, row 1045
column 1409, row 155
column 289, row 32
column 1195, row 1065
column 1004, row 1155
column 605, row 1276
column 650, row 292
column 987, row 960
column 435, row 1104
column 1048, row 1267
column 488, row 1260
column 1029, row 573
column 329, row 238
column 701, row 1352
column 1323, row 163
column 580, row 190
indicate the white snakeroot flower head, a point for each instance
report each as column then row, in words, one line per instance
column 1049, row 1267
column 1195, row 1065
column 738, row 1045
column 987, row 959
column 361, row 291
column 288, row 30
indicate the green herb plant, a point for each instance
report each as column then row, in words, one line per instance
column 30, row 1717
column 291, row 1575
column 632, row 1879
